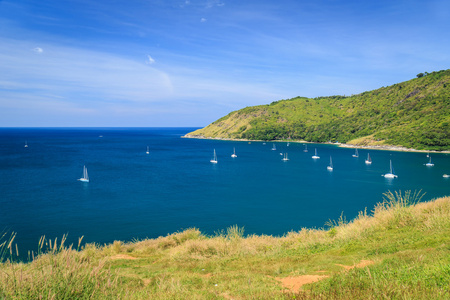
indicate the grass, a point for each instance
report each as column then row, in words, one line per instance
column 401, row 250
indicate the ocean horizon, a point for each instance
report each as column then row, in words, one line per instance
column 133, row 195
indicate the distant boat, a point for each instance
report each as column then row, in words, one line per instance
column 446, row 176
column 315, row 156
column 285, row 158
column 274, row 147
column 264, row 143
column 306, row 148
column 234, row 153
column 429, row 164
column 391, row 172
column 214, row 159
column 330, row 167
column 287, row 144
column 368, row 160
column 428, row 154
column 148, row 151
column 85, row 177
column 26, row 145
column 356, row 153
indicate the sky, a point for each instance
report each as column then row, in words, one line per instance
column 170, row 63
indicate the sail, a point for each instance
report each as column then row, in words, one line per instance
column 85, row 173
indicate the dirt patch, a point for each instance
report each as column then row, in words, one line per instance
column 226, row 296
column 361, row 264
column 146, row 281
column 122, row 256
column 294, row 283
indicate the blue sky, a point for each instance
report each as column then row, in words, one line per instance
column 188, row 63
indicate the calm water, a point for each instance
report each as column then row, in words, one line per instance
column 133, row 195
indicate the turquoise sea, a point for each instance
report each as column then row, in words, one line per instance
column 133, row 195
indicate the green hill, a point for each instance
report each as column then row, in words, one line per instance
column 412, row 114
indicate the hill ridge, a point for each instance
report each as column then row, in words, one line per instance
column 410, row 114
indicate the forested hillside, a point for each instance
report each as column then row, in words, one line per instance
column 413, row 114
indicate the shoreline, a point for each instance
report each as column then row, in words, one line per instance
column 373, row 147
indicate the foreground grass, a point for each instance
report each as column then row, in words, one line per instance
column 405, row 247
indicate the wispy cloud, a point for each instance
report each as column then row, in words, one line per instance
column 203, row 20
column 38, row 50
column 150, row 60
column 212, row 3
column 102, row 84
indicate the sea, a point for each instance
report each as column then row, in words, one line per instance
column 133, row 195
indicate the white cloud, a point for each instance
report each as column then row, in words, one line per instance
column 38, row 50
column 150, row 60
column 203, row 20
column 212, row 3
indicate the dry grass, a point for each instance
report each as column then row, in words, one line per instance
column 407, row 242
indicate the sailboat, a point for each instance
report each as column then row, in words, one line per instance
column 148, row 151
column 391, row 172
column 287, row 144
column 330, row 167
column 429, row 164
column 214, row 160
column 285, row 158
column 274, row 147
column 85, row 177
column 446, row 176
column 26, row 145
column 234, row 153
column 315, row 156
column 356, row 153
column 306, row 148
column 368, row 160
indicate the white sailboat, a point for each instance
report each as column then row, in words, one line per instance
column 148, row 151
column 234, row 153
column 356, row 153
column 285, row 157
column 306, row 148
column 287, row 144
column 214, row 160
column 85, row 177
column 315, row 156
column 330, row 167
column 26, row 145
column 274, row 147
column 429, row 164
column 368, row 160
column 391, row 172
column 446, row 176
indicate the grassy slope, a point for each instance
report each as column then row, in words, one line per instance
column 409, row 247
column 413, row 114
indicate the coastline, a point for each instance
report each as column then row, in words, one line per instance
column 373, row 147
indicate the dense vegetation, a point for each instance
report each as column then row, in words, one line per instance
column 400, row 251
column 412, row 114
